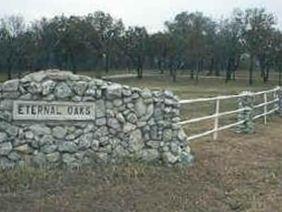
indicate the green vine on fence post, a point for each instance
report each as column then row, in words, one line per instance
column 246, row 101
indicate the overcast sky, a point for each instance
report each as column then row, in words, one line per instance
column 149, row 13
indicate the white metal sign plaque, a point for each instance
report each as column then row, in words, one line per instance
column 41, row 110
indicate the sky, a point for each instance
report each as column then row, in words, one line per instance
column 149, row 13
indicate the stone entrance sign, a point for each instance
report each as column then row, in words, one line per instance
column 61, row 111
column 54, row 118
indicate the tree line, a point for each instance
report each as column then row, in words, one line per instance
column 191, row 42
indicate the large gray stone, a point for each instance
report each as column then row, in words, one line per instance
column 169, row 158
column 5, row 163
column 280, row 101
column 14, row 156
column 27, row 96
column 19, row 142
column 9, row 129
column 11, row 85
column 101, row 121
column 146, row 93
column 168, row 94
column 109, row 105
column 128, row 127
column 5, row 148
column 59, row 132
column 98, row 93
column 150, row 111
column 38, row 76
column 39, row 160
column 95, row 144
column 175, row 148
column 132, row 118
column 120, row 151
column 35, row 88
column 114, row 123
column 3, row 137
column 63, row 91
column 117, row 102
column 80, row 87
column 92, row 88
column 48, row 87
column 49, row 97
column 140, row 108
column 85, row 141
column 102, row 157
column 24, row 149
column 126, row 92
column 56, row 74
column 181, row 135
column 29, row 135
column 120, row 118
column 186, row 158
column 153, row 144
column 53, row 157
column 100, row 109
column 68, row 159
column 38, row 129
column 150, row 155
column 135, row 142
column 80, row 155
column 46, row 140
column 167, row 135
column 69, row 147
column 6, row 104
column 49, row 148
column 89, row 128
column 114, row 91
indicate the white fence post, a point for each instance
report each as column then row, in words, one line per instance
column 265, row 107
column 215, row 134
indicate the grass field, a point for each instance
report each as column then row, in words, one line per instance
column 235, row 173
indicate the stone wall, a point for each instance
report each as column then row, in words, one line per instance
column 280, row 101
column 129, row 123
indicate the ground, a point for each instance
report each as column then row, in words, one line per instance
column 235, row 173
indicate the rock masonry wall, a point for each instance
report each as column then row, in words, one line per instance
column 130, row 123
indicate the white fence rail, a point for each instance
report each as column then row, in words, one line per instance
column 217, row 114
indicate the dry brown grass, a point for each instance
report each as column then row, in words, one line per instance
column 236, row 173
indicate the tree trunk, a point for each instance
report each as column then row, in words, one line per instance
column 139, row 72
column 107, row 63
column 194, row 66
column 228, row 70
column 198, row 70
column 160, row 66
column 266, row 74
column 251, row 69
column 262, row 67
column 236, row 67
column 217, row 69
column 171, row 67
column 174, row 75
column 280, row 75
column 211, row 67
column 234, row 75
column 9, row 73
column 73, row 64
column 140, row 68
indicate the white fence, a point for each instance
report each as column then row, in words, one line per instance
column 267, row 101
